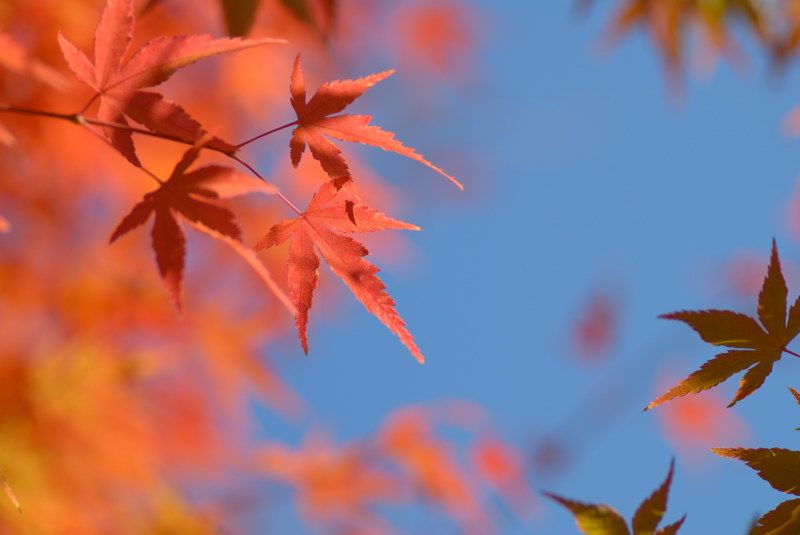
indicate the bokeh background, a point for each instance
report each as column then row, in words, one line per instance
column 604, row 187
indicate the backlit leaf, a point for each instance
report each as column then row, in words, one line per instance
column 777, row 466
column 118, row 77
column 316, row 124
column 763, row 344
column 320, row 228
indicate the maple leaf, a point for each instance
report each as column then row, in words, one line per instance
column 409, row 439
column 601, row 519
column 336, row 208
column 316, row 124
column 192, row 195
column 239, row 15
column 796, row 396
column 119, row 77
column 781, row 469
column 595, row 331
column 14, row 58
column 503, row 468
column 757, row 347
column 668, row 22
column 331, row 482
column 317, row 15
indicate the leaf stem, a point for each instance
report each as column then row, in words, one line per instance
column 265, row 134
column 250, row 168
column 785, row 350
column 105, row 140
column 88, row 104
column 79, row 119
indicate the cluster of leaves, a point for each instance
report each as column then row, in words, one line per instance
column 756, row 345
column 774, row 25
column 118, row 79
column 348, row 487
column 87, row 335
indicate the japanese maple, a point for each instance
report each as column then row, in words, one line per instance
column 757, row 346
column 602, row 519
column 336, row 209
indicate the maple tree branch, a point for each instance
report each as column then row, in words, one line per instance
column 79, row 119
column 265, row 134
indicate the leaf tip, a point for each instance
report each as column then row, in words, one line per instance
column 722, row 452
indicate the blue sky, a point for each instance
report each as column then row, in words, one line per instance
column 588, row 171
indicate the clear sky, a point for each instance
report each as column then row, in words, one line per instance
column 579, row 169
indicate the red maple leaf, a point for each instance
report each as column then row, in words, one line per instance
column 316, row 123
column 192, row 195
column 337, row 208
column 119, row 77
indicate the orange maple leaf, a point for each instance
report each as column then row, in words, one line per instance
column 503, row 468
column 316, row 123
column 757, row 347
column 410, row 441
column 668, row 23
column 191, row 194
column 337, row 208
column 119, row 77
column 331, row 481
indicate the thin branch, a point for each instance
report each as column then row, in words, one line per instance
column 79, row 119
column 265, row 134
column 250, row 168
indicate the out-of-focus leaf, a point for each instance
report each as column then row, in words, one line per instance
column 319, row 15
column 239, row 16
